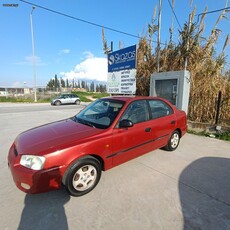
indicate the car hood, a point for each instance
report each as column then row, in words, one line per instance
column 52, row 137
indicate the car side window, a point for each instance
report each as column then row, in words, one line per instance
column 137, row 112
column 159, row 109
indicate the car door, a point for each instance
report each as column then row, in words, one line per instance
column 163, row 122
column 134, row 141
column 66, row 99
column 72, row 99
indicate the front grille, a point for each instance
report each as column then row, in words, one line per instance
column 15, row 152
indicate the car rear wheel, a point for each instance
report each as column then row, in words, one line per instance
column 173, row 141
column 82, row 176
column 57, row 103
column 77, row 102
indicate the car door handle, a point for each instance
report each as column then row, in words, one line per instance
column 147, row 129
column 173, row 122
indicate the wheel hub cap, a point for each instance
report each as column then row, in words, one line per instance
column 84, row 178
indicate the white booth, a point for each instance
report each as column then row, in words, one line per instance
column 173, row 86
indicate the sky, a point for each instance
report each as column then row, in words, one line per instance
column 72, row 48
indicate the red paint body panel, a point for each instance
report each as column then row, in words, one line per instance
column 63, row 142
column 131, row 143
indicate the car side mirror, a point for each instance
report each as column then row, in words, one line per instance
column 125, row 123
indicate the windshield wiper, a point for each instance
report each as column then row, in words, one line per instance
column 84, row 122
column 89, row 124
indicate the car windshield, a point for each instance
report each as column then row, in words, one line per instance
column 100, row 114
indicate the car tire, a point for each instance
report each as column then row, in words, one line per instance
column 82, row 176
column 77, row 102
column 57, row 103
column 173, row 141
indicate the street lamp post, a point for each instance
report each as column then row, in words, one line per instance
column 34, row 62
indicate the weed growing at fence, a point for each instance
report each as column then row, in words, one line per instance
column 221, row 135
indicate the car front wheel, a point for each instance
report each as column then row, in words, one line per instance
column 82, row 176
column 77, row 102
column 57, row 103
column 173, row 141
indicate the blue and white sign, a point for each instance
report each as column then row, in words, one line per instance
column 122, row 59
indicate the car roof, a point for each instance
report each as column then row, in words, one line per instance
column 132, row 98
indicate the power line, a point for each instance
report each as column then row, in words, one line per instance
column 213, row 11
column 174, row 14
column 85, row 21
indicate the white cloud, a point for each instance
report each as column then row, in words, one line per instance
column 92, row 68
column 17, row 84
column 64, row 51
column 28, row 60
column 88, row 54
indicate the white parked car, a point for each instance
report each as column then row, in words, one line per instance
column 66, row 99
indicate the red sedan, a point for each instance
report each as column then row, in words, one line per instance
column 109, row 132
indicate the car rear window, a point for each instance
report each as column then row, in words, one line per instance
column 159, row 109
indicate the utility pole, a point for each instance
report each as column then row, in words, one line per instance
column 187, row 45
column 34, row 62
column 159, row 36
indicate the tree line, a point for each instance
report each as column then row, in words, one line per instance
column 56, row 84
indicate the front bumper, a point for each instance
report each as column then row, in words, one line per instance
column 33, row 181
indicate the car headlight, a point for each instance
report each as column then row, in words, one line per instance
column 32, row 162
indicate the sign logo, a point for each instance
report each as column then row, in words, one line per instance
column 111, row 60
column 122, row 59
column 113, row 77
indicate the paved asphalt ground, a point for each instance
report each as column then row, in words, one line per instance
column 185, row 189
